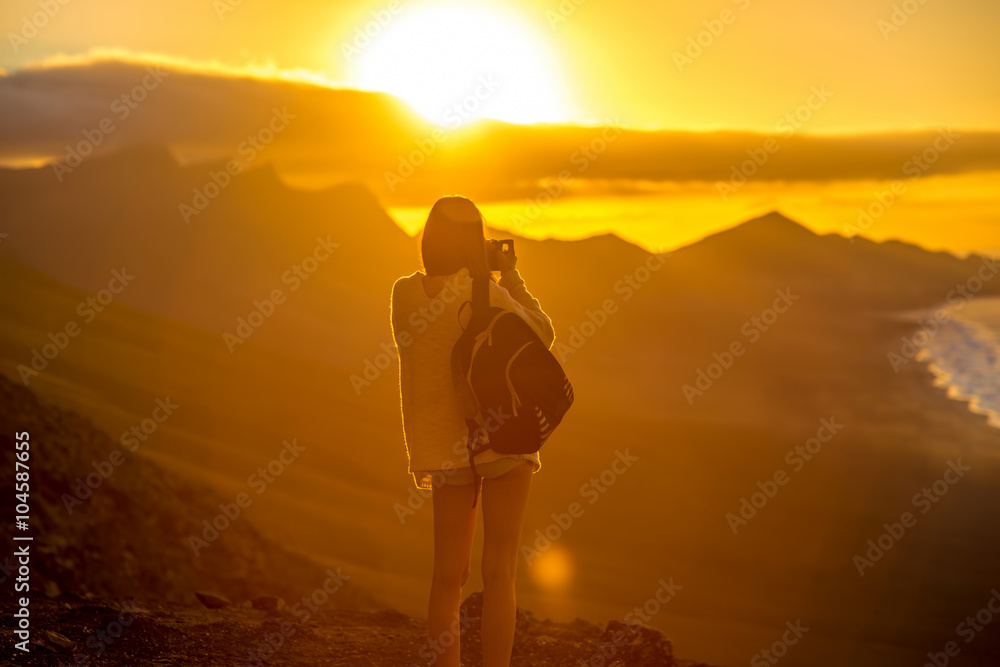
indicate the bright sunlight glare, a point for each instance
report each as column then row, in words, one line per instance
column 453, row 63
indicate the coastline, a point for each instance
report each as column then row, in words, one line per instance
column 944, row 379
column 938, row 355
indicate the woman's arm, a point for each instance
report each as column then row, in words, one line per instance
column 405, row 374
column 511, row 294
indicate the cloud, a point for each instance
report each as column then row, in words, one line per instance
column 267, row 71
column 203, row 111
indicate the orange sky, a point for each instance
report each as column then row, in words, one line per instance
column 785, row 68
column 586, row 60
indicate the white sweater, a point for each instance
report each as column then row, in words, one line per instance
column 425, row 329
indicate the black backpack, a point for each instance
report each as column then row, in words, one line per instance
column 511, row 388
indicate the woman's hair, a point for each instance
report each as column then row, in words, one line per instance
column 454, row 236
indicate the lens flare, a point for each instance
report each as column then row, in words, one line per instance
column 553, row 569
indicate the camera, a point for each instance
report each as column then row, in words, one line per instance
column 493, row 249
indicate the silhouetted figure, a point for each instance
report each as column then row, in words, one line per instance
column 427, row 319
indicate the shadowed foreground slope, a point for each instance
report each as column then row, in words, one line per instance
column 176, row 634
column 124, row 530
column 115, row 581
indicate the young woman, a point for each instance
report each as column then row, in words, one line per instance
column 427, row 318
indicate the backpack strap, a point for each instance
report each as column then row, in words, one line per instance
column 480, row 299
column 480, row 306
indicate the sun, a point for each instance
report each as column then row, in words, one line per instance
column 456, row 62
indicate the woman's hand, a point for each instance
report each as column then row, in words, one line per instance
column 506, row 260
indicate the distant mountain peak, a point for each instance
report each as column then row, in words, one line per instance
column 773, row 223
column 770, row 230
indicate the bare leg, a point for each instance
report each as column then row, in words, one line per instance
column 504, row 502
column 454, row 528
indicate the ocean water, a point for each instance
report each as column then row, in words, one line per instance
column 964, row 355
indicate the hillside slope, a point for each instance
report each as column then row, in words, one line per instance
column 109, row 523
column 823, row 358
column 119, row 552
